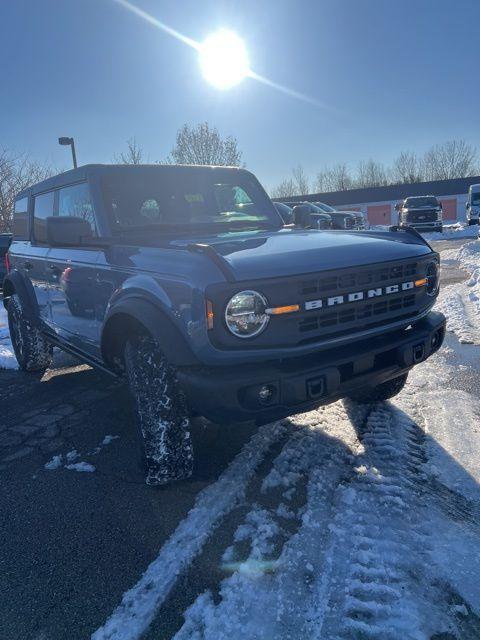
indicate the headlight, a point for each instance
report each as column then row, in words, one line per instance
column 245, row 314
column 432, row 278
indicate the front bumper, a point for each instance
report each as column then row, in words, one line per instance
column 423, row 226
column 301, row 384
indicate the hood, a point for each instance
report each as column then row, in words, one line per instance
column 292, row 252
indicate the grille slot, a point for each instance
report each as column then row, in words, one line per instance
column 354, row 280
column 357, row 312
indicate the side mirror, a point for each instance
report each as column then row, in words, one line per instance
column 66, row 230
column 302, row 216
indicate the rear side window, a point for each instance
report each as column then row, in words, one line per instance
column 20, row 219
column 75, row 201
column 43, row 208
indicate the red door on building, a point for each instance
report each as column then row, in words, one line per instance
column 379, row 213
column 449, row 207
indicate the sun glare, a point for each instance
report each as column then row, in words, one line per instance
column 224, row 59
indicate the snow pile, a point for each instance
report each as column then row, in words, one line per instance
column 453, row 232
column 461, row 302
column 7, row 357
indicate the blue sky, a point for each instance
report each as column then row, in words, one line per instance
column 394, row 75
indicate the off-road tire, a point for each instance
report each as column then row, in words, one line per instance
column 161, row 412
column 32, row 350
column 383, row 391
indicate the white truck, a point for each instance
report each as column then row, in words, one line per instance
column 473, row 204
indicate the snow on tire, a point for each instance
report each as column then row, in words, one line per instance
column 161, row 412
column 32, row 351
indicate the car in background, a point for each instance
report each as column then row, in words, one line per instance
column 344, row 219
column 5, row 240
column 320, row 219
column 473, row 204
column 423, row 213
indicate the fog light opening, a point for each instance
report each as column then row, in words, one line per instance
column 266, row 393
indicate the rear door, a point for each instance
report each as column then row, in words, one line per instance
column 30, row 258
column 73, row 275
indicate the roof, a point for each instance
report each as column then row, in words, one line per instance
column 83, row 172
column 455, row 186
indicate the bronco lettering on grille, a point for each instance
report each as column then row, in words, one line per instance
column 356, row 296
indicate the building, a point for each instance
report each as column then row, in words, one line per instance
column 378, row 203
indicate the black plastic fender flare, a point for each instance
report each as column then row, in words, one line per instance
column 157, row 323
column 16, row 282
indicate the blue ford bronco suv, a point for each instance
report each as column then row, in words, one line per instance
column 185, row 280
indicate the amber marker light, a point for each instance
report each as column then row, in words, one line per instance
column 421, row 283
column 277, row 311
column 209, row 311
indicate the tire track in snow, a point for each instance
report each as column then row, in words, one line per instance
column 266, row 596
column 378, row 541
column 140, row 604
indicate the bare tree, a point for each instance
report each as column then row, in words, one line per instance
column 451, row 159
column 133, row 155
column 336, row 178
column 297, row 185
column 300, row 181
column 16, row 174
column 407, row 168
column 202, row 144
column 285, row 189
column 371, row 174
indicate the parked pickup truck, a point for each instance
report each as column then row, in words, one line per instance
column 5, row 240
column 423, row 213
column 185, row 280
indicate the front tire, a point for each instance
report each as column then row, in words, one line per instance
column 161, row 412
column 383, row 391
column 32, row 351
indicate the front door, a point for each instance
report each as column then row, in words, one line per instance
column 72, row 276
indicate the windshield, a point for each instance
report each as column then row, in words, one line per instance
column 423, row 201
column 475, row 198
column 325, row 207
column 183, row 201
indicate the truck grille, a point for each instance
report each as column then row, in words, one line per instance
column 426, row 215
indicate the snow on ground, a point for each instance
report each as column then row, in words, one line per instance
column 7, row 357
column 71, row 460
column 366, row 523
column 461, row 302
column 454, row 231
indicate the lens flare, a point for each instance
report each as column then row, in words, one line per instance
column 224, row 59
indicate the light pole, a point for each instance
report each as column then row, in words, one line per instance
column 69, row 142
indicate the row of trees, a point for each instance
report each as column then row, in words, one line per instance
column 203, row 144
column 451, row 159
